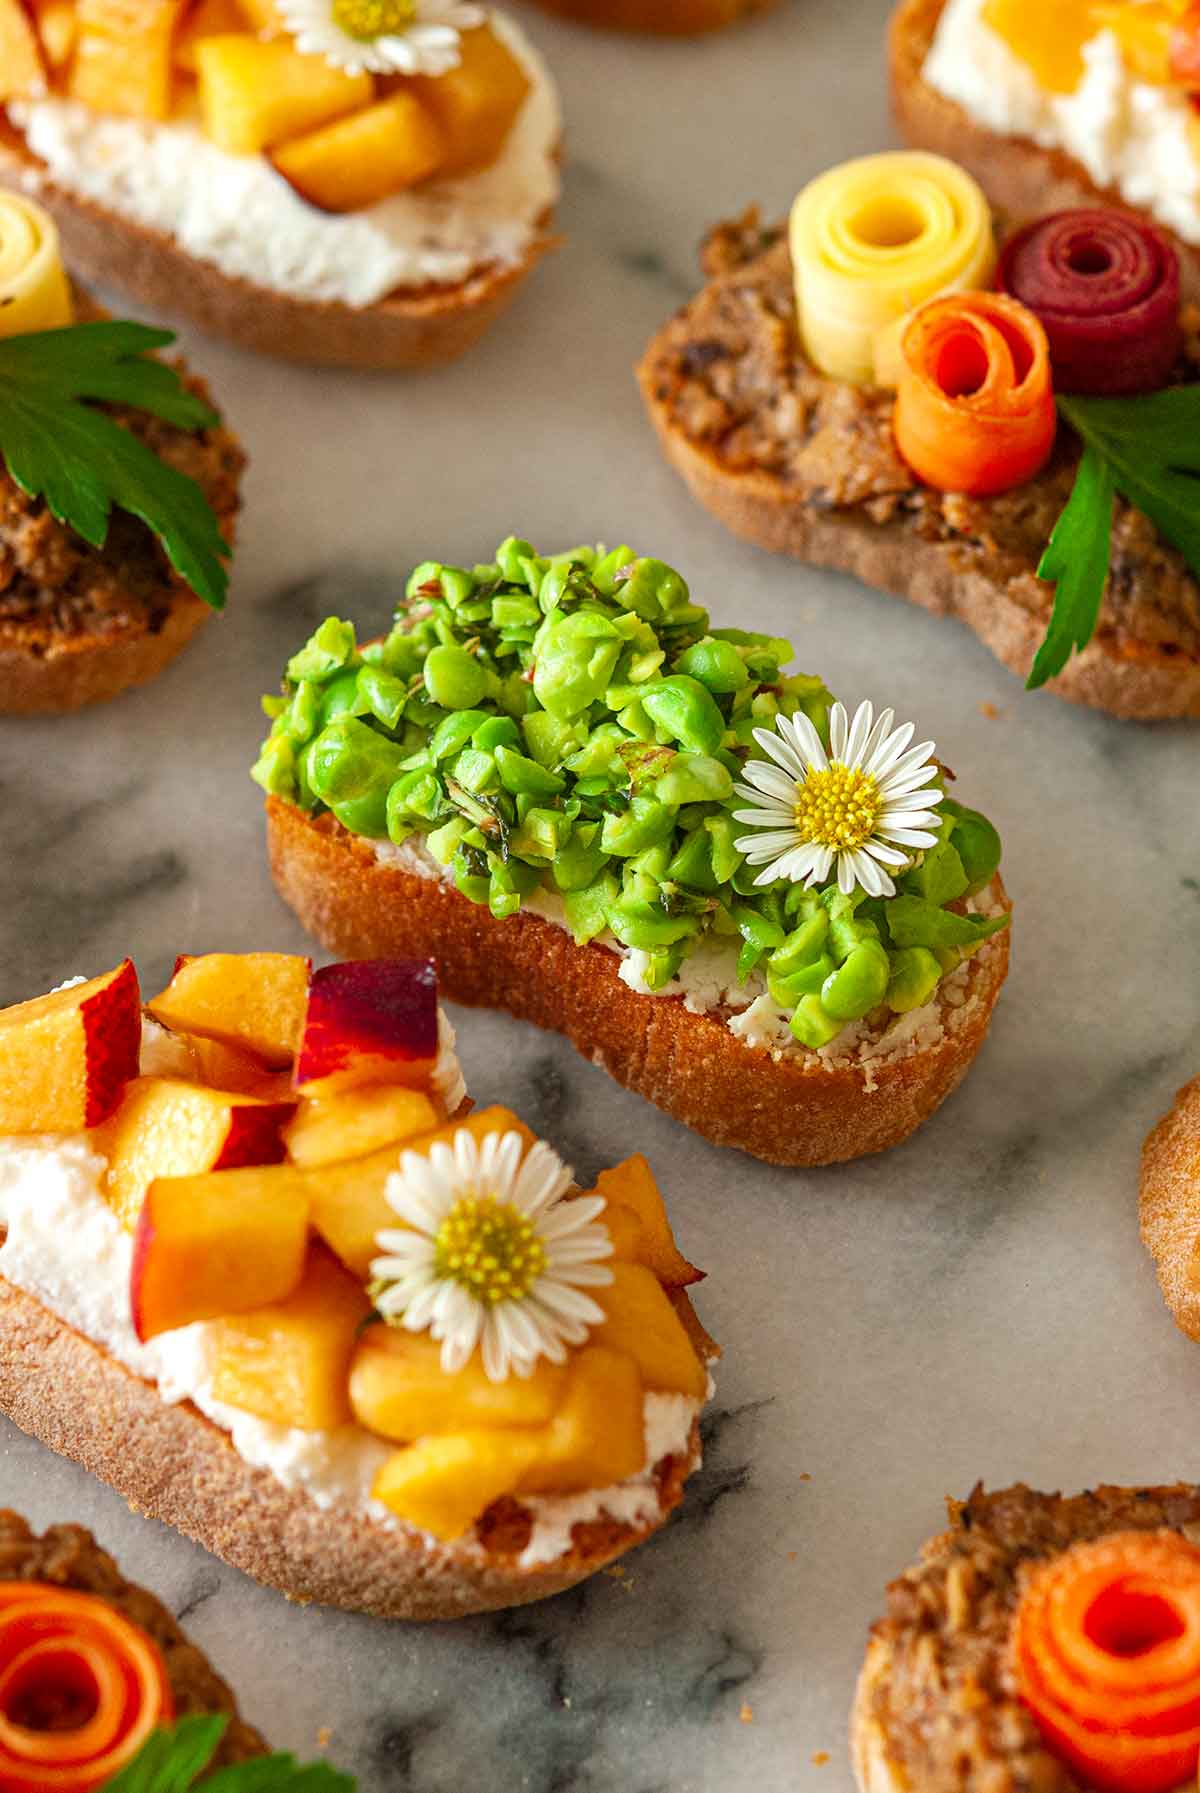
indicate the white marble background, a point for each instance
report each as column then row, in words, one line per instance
column 975, row 1304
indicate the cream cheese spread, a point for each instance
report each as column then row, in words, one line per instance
column 1126, row 133
column 64, row 1245
column 236, row 213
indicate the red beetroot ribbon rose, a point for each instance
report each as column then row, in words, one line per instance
column 1106, row 288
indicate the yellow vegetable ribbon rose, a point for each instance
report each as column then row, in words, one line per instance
column 871, row 241
column 34, row 290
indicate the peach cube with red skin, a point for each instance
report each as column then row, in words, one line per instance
column 252, row 1001
column 213, row 1245
column 369, row 1021
column 66, row 1058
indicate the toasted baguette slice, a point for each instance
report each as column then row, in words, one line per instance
column 411, row 328
column 1019, row 177
column 806, row 466
column 171, row 1463
column 1170, row 1206
column 662, row 18
column 936, row 1706
column 79, row 625
column 66, row 1556
column 795, row 1111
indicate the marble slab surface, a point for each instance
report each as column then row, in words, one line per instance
column 975, row 1304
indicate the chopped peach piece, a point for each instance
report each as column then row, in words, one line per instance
column 356, row 1122
column 642, row 1323
column 349, row 1207
column 265, row 17
column 254, row 1001
column 22, row 70
column 289, row 1362
column 632, row 1185
column 213, row 1245
column 369, row 1021
column 357, row 161
column 1048, row 39
column 598, row 1435
column 476, row 103
column 255, row 95
column 66, row 1058
column 122, row 59
column 210, row 18
column 703, row 1343
column 443, row 1485
column 168, row 1128
column 399, row 1389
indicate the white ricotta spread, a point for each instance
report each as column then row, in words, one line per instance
column 238, row 214
column 707, row 982
column 1126, row 133
column 65, row 1246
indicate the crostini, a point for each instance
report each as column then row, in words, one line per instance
column 1040, row 1642
column 601, row 814
column 95, row 1672
column 119, row 488
column 362, row 183
column 1006, row 438
column 1170, row 1206
column 1082, row 103
column 263, row 1275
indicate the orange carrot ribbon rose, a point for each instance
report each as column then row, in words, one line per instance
column 975, row 404
column 81, row 1689
column 1107, row 1647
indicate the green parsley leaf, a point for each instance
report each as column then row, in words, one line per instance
column 172, row 1761
column 1148, row 450
column 83, row 463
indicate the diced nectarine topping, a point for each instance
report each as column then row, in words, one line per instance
column 357, row 161
column 254, row 95
column 477, row 102
column 65, row 1058
column 598, row 1436
column 213, row 1245
column 22, row 70
column 167, row 1128
column 58, row 28
column 442, row 1485
column 702, row 1342
column 210, row 18
column 370, row 1021
column 254, row 1001
column 1048, row 39
column 641, row 1321
column 399, row 1389
column 632, row 1185
column 356, row 1122
column 122, row 59
column 290, row 1362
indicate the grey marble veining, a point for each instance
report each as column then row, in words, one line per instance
column 975, row 1304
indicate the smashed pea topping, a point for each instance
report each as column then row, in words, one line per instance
column 572, row 723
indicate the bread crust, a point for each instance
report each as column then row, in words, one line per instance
column 411, row 328
column 173, row 1464
column 84, row 669
column 1018, row 176
column 1170, row 1206
column 790, row 1111
column 659, row 18
column 935, row 575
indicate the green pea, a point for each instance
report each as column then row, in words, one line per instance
column 914, row 922
column 587, row 910
column 352, row 769
column 509, row 612
column 580, row 860
column 643, row 824
column 477, row 771
column 541, row 834
column 549, row 739
column 444, row 842
column 453, row 733
column 940, row 877
column 400, row 653
column 383, row 695
column 977, row 845
column 635, row 721
column 694, row 778
column 495, row 731
column 722, row 831
column 662, row 963
column 686, row 712
column 916, row 974
column 848, row 932
column 275, row 767
column 507, row 885
column 598, row 755
column 812, row 1025
column 653, row 590
column 859, row 985
column 458, row 586
column 807, row 980
column 520, row 775
column 469, row 881
column 716, row 664
column 607, row 570
column 692, row 864
column 575, row 657
column 645, row 925
column 340, row 696
column 512, row 556
column 454, row 679
column 416, row 796
column 327, row 650
column 803, row 946
column 301, row 719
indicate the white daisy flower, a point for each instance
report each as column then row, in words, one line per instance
column 382, row 37
column 866, row 805
column 492, row 1255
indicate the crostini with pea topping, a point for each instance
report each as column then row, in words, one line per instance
column 597, row 811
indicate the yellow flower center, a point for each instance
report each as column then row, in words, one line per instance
column 838, row 808
column 367, row 19
column 491, row 1248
